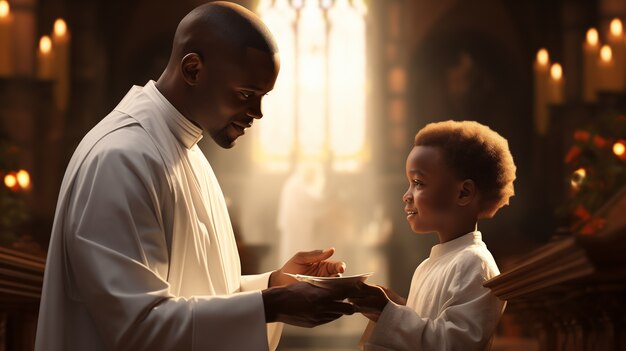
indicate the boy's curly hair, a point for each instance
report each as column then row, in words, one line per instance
column 474, row 151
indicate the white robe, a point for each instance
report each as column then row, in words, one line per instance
column 142, row 254
column 447, row 308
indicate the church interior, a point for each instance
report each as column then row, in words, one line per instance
column 325, row 166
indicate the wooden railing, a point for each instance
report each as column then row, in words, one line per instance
column 572, row 291
column 21, row 278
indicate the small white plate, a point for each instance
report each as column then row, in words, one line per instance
column 324, row 282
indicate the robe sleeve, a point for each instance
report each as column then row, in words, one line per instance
column 466, row 322
column 117, row 260
column 260, row 282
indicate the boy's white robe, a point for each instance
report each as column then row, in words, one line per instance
column 142, row 254
column 448, row 308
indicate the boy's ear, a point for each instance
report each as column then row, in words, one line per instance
column 190, row 66
column 467, row 192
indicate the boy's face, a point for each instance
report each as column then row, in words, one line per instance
column 431, row 200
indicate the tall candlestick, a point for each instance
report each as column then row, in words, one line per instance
column 591, row 48
column 45, row 58
column 616, row 41
column 541, row 76
column 6, row 38
column 607, row 77
column 555, row 85
column 61, row 42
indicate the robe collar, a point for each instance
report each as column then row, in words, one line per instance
column 469, row 239
column 187, row 132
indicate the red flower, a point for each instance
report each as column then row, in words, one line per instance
column 600, row 142
column 582, row 213
column 581, row 135
column 593, row 226
column 572, row 154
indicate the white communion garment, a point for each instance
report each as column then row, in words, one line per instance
column 448, row 308
column 142, row 254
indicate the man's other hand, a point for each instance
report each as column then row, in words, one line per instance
column 312, row 263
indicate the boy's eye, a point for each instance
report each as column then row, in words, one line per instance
column 245, row 95
column 417, row 182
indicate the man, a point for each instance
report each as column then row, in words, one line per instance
column 142, row 254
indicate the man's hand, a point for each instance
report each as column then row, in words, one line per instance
column 305, row 305
column 371, row 300
column 308, row 263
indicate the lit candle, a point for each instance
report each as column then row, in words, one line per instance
column 616, row 41
column 23, row 179
column 541, row 75
column 6, row 60
column 591, row 48
column 61, row 42
column 619, row 149
column 555, row 85
column 45, row 58
column 607, row 77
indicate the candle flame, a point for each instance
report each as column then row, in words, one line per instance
column 606, row 54
column 60, row 27
column 10, row 181
column 45, row 44
column 5, row 9
column 616, row 27
column 556, row 71
column 542, row 57
column 592, row 36
column 23, row 179
column 619, row 148
column 578, row 177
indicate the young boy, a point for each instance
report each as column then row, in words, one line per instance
column 458, row 173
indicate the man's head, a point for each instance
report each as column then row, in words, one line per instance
column 223, row 61
column 457, row 168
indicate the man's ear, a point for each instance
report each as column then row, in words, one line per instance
column 467, row 192
column 190, row 66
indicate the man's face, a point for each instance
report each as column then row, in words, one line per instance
column 228, row 96
column 431, row 199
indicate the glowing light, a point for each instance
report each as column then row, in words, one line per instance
column 606, row 54
column 311, row 80
column 60, row 27
column 5, row 9
column 578, row 177
column 543, row 58
column 592, row 37
column 616, row 27
column 277, row 138
column 317, row 107
column 619, row 148
column 23, row 179
column 326, row 3
column 10, row 181
column 45, row 44
column 347, row 85
column 556, row 71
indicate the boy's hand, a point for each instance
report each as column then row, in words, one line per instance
column 312, row 263
column 393, row 296
column 370, row 300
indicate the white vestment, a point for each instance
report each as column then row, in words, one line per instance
column 448, row 308
column 142, row 254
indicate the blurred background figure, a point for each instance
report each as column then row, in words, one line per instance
column 299, row 209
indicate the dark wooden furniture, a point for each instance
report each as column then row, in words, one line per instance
column 21, row 278
column 571, row 292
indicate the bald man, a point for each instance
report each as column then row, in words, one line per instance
column 142, row 254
